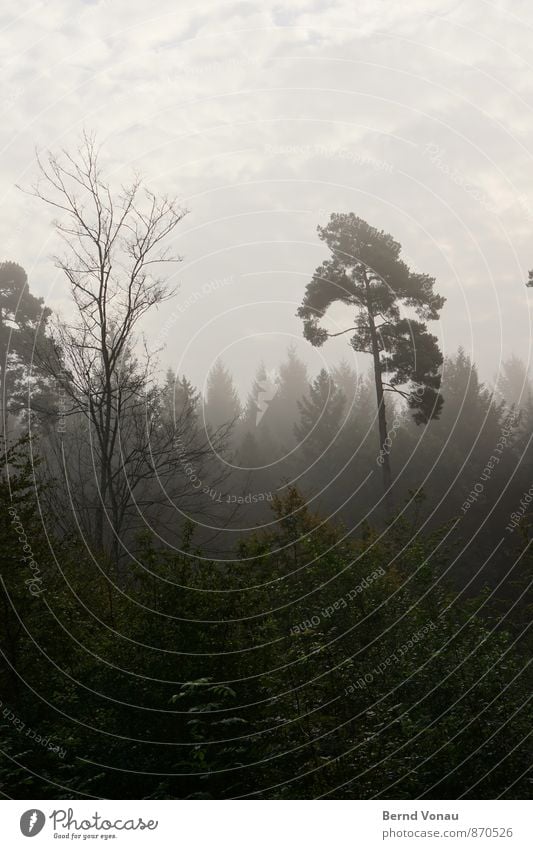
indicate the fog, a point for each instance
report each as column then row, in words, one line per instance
column 266, row 402
column 265, row 122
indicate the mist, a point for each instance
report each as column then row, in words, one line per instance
column 266, row 401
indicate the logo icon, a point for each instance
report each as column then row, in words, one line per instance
column 32, row 822
column 267, row 391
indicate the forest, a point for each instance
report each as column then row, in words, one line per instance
column 319, row 588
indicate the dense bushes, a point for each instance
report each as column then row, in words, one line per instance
column 313, row 665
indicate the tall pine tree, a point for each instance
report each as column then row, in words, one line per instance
column 365, row 272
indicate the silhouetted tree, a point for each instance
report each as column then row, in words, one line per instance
column 222, row 404
column 320, row 415
column 292, row 385
column 366, row 273
column 450, row 459
column 348, row 381
column 23, row 320
column 114, row 244
column 513, row 384
column 178, row 397
column 359, row 392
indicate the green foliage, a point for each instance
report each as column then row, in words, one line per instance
column 315, row 665
column 320, row 415
column 365, row 272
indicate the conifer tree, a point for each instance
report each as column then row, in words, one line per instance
column 292, row 385
column 251, row 408
column 366, row 273
column 320, row 415
column 23, row 319
column 222, row 404
column 513, row 384
column 179, row 398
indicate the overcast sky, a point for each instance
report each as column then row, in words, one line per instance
column 266, row 117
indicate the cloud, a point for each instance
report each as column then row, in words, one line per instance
column 265, row 119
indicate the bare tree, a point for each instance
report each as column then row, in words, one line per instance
column 116, row 243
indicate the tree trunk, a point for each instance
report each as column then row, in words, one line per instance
column 3, row 357
column 382, row 416
column 3, row 417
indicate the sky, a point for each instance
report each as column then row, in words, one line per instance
column 264, row 118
